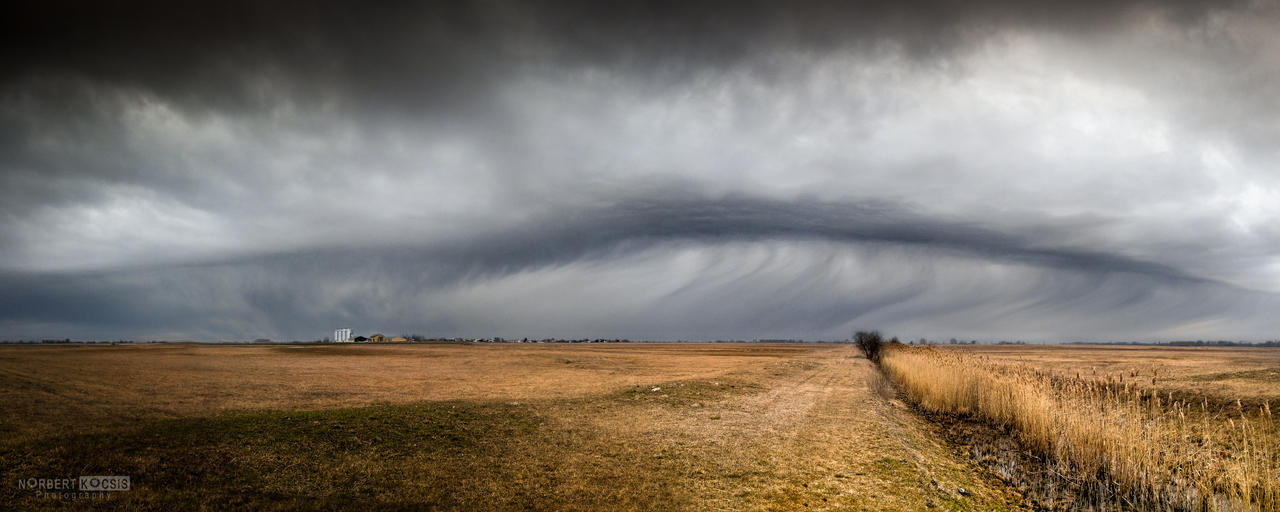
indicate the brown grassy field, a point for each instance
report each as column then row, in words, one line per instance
column 575, row 427
column 1147, row 427
column 1221, row 373
column 112, row 385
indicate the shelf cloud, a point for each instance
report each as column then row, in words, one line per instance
column 651, row 170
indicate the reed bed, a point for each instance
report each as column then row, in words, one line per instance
column 1121, row 440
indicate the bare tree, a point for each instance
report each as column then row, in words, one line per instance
column 869, row 343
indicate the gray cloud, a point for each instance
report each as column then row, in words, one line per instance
column 685, row 169
column 436, row 55
column 751, row 266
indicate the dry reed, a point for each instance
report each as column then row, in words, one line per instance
column 1120, row 440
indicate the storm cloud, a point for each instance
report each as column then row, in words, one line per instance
column 684, row 170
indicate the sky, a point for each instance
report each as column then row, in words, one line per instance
column 988, row 169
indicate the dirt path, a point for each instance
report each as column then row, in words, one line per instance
column 818, row 436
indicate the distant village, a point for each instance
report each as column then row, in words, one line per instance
column 346, row 335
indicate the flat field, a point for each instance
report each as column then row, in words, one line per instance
column 573, row 427
column 1218, row 373
column 627, row 426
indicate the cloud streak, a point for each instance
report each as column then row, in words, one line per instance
column 663, row 269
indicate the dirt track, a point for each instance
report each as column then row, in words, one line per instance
column 820, row 435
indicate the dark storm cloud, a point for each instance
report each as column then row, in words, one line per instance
column 288, row 295
column 569, row 237
column 437, row 55
column 642, row 169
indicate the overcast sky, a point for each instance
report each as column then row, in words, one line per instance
column 991, row 169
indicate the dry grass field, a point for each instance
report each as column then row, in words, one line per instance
column 105, row 386
column 1221, row 373
column 474, row 427
column 638, row 426
column 1142, row 427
